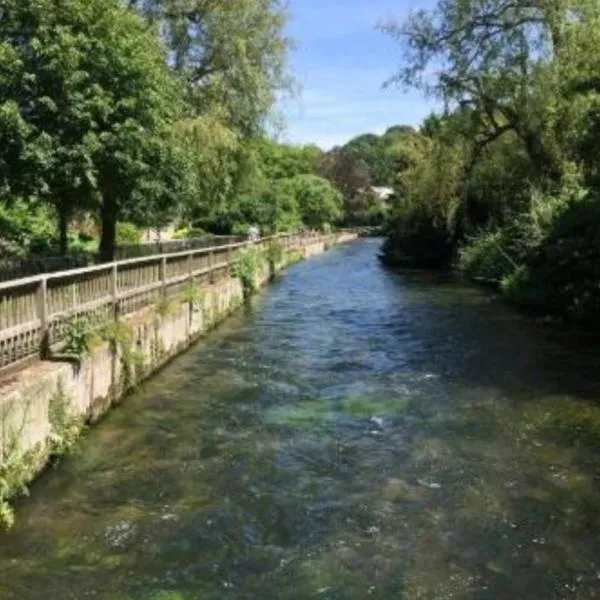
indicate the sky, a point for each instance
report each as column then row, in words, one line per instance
column 340, row 63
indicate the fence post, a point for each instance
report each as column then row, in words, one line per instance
column 114, row 290
column 163, row 274
column 42, row 298
column 211, row 262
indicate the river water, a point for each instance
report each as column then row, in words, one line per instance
column 352, row 434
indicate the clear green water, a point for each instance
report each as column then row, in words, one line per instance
column 353, row 434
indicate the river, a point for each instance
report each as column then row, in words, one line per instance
column 351, row 434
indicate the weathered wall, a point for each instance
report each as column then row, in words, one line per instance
column 90, row 385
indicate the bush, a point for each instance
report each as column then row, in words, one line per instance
column 189, row 233
column 418, row 240
column 485, row 258
column 247, row 267
column 275, row 253
column 563, row 274
column 240, row 229
column 128, row 234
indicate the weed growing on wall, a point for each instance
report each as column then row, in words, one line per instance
column 192, row 294
column 18, row 468
column 65, row 425
column 275, row 253
column 122, row 338
column 247, row 267
column 165, row 307
column 16, row 471
column 80, row 336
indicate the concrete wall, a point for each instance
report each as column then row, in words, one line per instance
column 90, row 385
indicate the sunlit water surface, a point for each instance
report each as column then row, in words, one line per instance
column 353, row 434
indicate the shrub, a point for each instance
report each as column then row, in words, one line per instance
column 485, row 257
column 79, row 336
column 247, row 266
column 274, row 253
column 128, row 234
column 418, row 240
column 563, row 275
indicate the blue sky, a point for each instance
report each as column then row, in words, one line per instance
column 340, row 62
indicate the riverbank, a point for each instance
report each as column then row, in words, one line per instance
column 45, row 406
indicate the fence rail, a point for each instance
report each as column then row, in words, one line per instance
column 15, row 268
column 34, row 311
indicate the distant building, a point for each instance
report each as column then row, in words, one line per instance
column 383, row 193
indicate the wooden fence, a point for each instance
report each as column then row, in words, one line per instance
column 34, row 311
column 16, row 268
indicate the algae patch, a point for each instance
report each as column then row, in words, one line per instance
column 314, row 414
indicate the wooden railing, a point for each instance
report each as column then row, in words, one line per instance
column 38, row 264
column 34, row 311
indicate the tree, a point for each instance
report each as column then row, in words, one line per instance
column 502, row 58
column 231, row 54
column 86, row 104
column 47, row 106
column 346, row 171
column 283, row 161
column 231, row 57
column 320, row 203
column 505, row 184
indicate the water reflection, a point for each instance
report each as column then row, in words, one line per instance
column 354, row 434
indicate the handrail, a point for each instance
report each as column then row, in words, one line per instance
column 33, row 309
column 23, row 281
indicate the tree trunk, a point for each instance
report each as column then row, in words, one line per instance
column 63, row 230
column 109, row 230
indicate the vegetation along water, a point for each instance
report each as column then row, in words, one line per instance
column 354, row 433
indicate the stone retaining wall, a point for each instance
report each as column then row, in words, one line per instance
column 91, row 384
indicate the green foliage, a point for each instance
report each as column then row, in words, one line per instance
column 122, row 338
column 282, row 161
column 484, row 258
column 231, row 54
column 65, row 426
column 247, row 267
column 507, row 180
column 16, row 471
column 319, row 202
column 563, row 273
column 378, row 153
column 231, row 57
column 417, row 239
column 79, row 336
column 26, row 228
column 165, row 307
column 128, row 234
column 275, row 253
column 18, row 468
column 192, row 294
column 87, row 101
column 98, row 117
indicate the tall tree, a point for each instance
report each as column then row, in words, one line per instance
column 504, row 58
column 232, row 58
column 86, row 103
column 346, row 170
